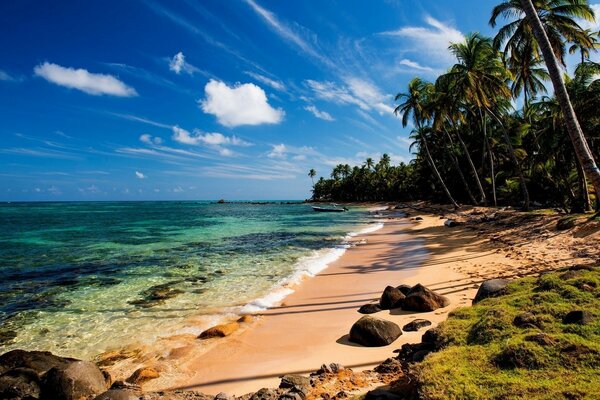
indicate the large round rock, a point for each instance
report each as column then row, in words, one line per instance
column 391, row 298
column 78, row 379
column 491, row 288
column 374, row 332
column 422, row 299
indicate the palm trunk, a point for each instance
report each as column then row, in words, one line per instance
column 457, row 166
column 492, row 173
column 473, row 169
column 437, row 173
column 515, row 161
column 584, row 194
column 580, row 144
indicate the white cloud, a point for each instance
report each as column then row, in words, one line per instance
column 593, row 26
column 149, row 139
column 299, row 157
column 4, row 76
column 277, row 85
column 178, row 189
column 140, row 175
column 81, row 79
column 319, row 114
column 178, row 64
column 242, row 104
column 277, row 151
column 432, row 40
column 212, row 139
column 415, row 65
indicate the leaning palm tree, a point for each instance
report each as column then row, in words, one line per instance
column 312, row 173
column 586, row 46
column 414, row 103
column 582, row 149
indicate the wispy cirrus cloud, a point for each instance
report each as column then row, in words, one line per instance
column 275, row 84
column 178, row 64
column 324, row 115
column 140, row 175
column 415, row 66
column 83, row 80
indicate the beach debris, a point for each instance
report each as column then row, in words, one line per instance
column 491, row 288
column 369, row 308
column 450, row 223
column 423, row 299
column 374, row 332
column 79, row 379
column 294, row 380
column 578, row 317
column 415, row 325
column 404, row 289
column 220, row 331
column 142, row 375
column 391, row 298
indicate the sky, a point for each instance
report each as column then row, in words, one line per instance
column 209, row 99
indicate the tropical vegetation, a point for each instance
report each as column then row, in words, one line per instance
column 473, row 145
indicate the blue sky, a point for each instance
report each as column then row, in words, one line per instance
column 130, row 100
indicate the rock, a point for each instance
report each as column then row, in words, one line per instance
column 245, row 319
column 391, row 365
column 76, row 380
column 222, row 396
column 419, row 356
column 543, row 339
column 419, row 219
column 39, row 361
column 491, row 288
column 290, row 381
column 404, row 289
column 565, row 223
column 450, row 223
column 382, row 394
column 578, row 317
column 391, row 298
column 332, row 368
column 20, row 383
column 221, row 201
column 265, row 394
column 142, row 375
column 373, row 332
column 157, row 295
column 7, row 337
column 408, row 350
column 526, row 320
column 220, row 330
column 415, row 325
column 422, row 299
column 369, row 309
column 118, row 394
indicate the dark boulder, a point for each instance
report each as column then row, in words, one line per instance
column 369, row 309
column 526, row 320
column 382, row 394
column 39, row 361
column 389, row 366
column 373, row 332
column 391, row 298
column 578, row 317
column 565, row 223
column 332, row 368
column 415, row 325
column 404, row 289
column 265, row 394
column 118, row 394
column 491, row 288
column 422, row 299
column 76, row 380
column 20, row 383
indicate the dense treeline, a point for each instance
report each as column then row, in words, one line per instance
column 472, row 145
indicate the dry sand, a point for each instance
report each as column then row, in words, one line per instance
column 310, row 328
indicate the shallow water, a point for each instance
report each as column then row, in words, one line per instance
column 80, row 278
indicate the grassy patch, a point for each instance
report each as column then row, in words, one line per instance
column 488, row 357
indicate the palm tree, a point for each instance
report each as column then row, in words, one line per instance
column 582, row 149
column 557, row 16
column 369, row 163
column 312, row 173
column 414, row 103
column 584, row 47
column 527, row 74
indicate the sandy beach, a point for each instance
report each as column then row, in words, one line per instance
column 310, row 327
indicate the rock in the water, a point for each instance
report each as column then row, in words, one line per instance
column 20, row 383
column 372, row 332
column 118, row 394
column 220, row 330
column 290, row 381
column 39, row 361
column 422, row 299
column 578, row 317
column 142, row 375
column 404, row 289
column 391, row 298
column 415, row 325
column 491, row 288
column 76, row 380
column 369, row 309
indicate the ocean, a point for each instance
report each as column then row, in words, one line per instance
column 79, row 278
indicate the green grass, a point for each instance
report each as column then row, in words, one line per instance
column 485, row 356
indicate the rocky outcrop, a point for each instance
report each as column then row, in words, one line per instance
column 220, row 331
column 391, row 298
column 404, row 289
column 491, row 288
column 415, row 325
column 373, row 332
column 422, row 299
column 79, row 379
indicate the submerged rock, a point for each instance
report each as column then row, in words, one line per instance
column 422, row 299
column 220, row 330
column 415, row 325
column 391, row 298
column 491, row 288
column 369, row 309
column 374, row 332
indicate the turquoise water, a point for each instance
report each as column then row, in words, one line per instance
column 81, row 278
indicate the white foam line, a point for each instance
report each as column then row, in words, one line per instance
column 306, row 267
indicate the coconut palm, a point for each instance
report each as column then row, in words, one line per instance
column 528, row 75
column 312, row 173
column 586, row 46
column 582, row 149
